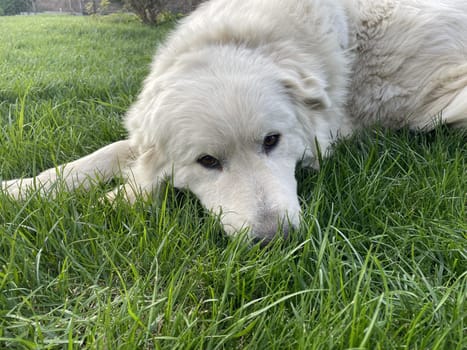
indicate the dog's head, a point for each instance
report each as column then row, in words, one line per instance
column 227, row 125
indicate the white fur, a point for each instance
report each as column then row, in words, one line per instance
column 310, row 71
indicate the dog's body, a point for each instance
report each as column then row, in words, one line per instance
column 243, row 90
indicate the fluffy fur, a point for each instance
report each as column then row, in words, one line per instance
column 260, row 85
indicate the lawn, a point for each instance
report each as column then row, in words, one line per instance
column 379, row 263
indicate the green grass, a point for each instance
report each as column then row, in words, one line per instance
column 380, row 262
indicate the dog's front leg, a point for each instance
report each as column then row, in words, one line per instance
column 102, row 165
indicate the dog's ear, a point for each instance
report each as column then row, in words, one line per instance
column 309, row 91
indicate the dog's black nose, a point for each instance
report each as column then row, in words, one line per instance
column 264, row 239
column 285, row 231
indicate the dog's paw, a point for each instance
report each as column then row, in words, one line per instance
column 111, row 196
column 126, row 192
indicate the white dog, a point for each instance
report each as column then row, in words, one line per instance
column 243, row 90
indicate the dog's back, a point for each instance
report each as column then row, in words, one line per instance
column 411, row 63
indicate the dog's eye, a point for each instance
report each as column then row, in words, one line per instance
column 209, row 162
column 270, row 142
